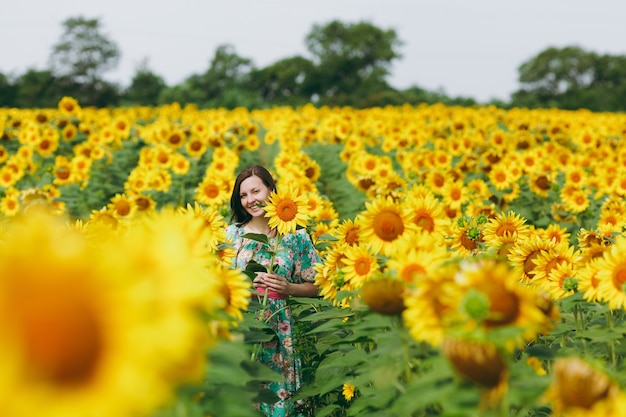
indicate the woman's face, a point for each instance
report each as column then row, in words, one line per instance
column 252, row 193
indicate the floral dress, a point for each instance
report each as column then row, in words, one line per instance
column 296, row 264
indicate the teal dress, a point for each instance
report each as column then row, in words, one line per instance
column 295, row 263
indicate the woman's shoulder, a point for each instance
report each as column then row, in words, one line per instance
column 234, row 229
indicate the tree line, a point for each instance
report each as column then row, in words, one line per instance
column 350, row 65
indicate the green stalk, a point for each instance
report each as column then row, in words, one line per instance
column 609, row 321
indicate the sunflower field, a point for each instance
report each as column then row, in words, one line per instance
column 473, row 261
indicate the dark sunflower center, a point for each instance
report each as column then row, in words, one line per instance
column 388, row 226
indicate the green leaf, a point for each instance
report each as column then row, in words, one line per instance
column 257, row 237
column 253, row 268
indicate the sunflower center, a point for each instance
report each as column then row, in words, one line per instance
column 122, row 208
column 504, row 306
column 619, row 277
column 352, row 237
column 424, row 221
column 362, row 266
column 388, row 226
column 211, row 191
column 468, row 243
column 455, row 194
column 412, row 272
column 286, row 210
column 62, row 338
column 195, row 146
column 506, row 228
column 529, row 265
column 439, row 180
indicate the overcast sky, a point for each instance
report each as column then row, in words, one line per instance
column 469, row 48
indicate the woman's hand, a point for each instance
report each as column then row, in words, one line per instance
column 273, row 282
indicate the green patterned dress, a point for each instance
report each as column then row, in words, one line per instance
column 296, row 263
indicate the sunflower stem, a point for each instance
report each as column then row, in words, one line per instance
column 609, row 321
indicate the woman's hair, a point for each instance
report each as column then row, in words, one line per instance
column 239, row 213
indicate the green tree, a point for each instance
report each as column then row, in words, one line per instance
column 37, row 88
column 81, row 57
column 572, row 78
column 285, row 82
column 145, row 87
column 352, row 60
column 8, row 91
column 224, row 84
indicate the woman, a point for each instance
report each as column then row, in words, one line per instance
column 293, row 275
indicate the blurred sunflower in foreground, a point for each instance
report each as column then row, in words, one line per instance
column 101, row 327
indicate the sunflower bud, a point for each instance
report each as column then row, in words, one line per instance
column 477, row 362
column 577, row 384
column 384, row 295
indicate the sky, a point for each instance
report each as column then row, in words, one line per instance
column 468, row 48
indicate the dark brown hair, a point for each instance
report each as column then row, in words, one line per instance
column 239, row 213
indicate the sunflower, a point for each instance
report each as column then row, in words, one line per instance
column 213, row 191
column 455, row 194
column 10, row 203
column 348, row 391
column 588, row 280
column 561, row 282
column 418, row 255
column 314, row 202
column 234, row 286
column 593, row 243
column 575, row 176
column 427, row 213
column 430, row 303
column 575, row 201
column 612, row 275
column 286, row 210
column 555, row 233
column 436, row 179
column 479, row 362
column 8, row 177
column 348, row 232
column 540, row 183
column 104, row 218
column 383, row 222
column 580, row 389
column 465, row 236
column 196, row 147
column 68, row 106
column 67, row 346
column 500, row 177
column 360, row 264
column 69, row 132
column 523, row 256
column 47, row 145
column 144, row 203
column 329, row 277
column 62, row 171
column 122, row 206
column 208, row 228
column 505, row 228
column 506, row 303
column 175, row 139
column 180, row 164
column 547, row 261
column 4, row 154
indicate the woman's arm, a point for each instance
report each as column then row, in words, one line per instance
column 280, row 285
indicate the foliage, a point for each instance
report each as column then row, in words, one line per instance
column 81, row 57
column 572, row 78
column 350, row 58
column 145, row 87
